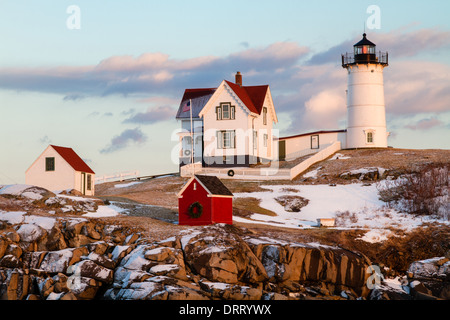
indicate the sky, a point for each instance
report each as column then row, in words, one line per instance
column 106, row 77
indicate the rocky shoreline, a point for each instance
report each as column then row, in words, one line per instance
column 44, row 258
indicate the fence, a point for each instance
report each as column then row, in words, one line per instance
column 117, row 177
column 266, row 173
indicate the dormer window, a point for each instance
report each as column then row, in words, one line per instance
column 225, row 112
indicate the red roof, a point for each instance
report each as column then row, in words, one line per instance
column 73, row 159
column 252, row 96
column 195, row 93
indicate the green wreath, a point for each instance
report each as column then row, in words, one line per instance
column 195, row 210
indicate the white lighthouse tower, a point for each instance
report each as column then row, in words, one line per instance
column 366, row 115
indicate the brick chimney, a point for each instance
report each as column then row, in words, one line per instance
column 239, row 79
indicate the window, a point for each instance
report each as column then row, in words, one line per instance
column 266, row 138
column 265, row 116
column 89, row 182
column 50, row 164
column 226, row 139
column 225, row 112
column 369, row 137
column 315, row 142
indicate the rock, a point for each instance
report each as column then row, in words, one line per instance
column 364, row 174
column 101, row 260
column 10, row 261
column 89, row 269
column 385, row 292
column 59, row 261
column 46, row 286
column 3, row 245
column 30, row 233
column 68, row 296
column 83, row 288
column 231, row 292
column 14, row 284
column 434, row 278
column 220, row 255
column 303, row 262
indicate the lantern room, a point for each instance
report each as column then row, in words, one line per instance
column 365, row 51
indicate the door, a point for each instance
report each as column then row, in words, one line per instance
column 83, row 183
column 315, row 142
column 282, row 150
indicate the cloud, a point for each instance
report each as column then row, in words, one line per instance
column 413, row 87
column 126, row 138
column 152, row 115
column 307, row 86
column 45, row 140
column 398, row 43
column 149, row 73
column 74, row 97
column 425, row 124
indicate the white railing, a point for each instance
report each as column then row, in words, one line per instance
column 121, row 176
column 319, row 156
column 265, row 173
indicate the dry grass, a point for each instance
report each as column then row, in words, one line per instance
column 245, row 207
column 398, row 161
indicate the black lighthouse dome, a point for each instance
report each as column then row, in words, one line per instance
column 364, row 52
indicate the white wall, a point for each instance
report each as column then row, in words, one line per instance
column 299, row 146
column 366, row 106
column 243, row 124
column 62, row 178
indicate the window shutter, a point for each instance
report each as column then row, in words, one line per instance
column 232, row 113
column 233, row 139
column 218, row 113
column 219, row 138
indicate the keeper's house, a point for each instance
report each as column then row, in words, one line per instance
column 205, row 200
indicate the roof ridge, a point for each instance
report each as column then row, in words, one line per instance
column 73, row 159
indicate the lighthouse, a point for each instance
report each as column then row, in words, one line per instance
column 366, row 115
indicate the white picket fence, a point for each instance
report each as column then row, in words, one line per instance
column 121, row 176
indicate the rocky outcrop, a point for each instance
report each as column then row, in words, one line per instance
column 79, row 259
column 425, row 280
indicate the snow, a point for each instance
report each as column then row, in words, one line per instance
column 312, row 174
column 357, row 206
column 43, row 222
column 339, row 156
column 164, row 268
column 217, row 285
column 14, row 189
column 29, row 232
column 12, row 217
column 126, row 185
column 105, row 211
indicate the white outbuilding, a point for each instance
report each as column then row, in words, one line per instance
column 60, row 168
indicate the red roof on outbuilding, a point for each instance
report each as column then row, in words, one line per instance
column 73, row 159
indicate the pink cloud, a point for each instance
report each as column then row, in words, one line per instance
column 425, row 124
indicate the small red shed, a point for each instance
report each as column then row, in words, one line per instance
column 205, row 200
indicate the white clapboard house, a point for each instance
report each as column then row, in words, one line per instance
column 232, row 125
column 60, row 168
